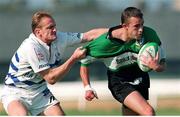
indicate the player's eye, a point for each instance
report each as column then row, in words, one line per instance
column 51, row 27
column 138, row 26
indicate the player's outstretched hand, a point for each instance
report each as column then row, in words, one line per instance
column 90, row 95
column 79, row 53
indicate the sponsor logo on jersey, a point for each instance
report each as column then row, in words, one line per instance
column 131, row 57
column 42, row 66
column 121, row 60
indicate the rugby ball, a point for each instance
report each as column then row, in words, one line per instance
column 151, row 48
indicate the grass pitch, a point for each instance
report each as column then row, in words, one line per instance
column 165, row 107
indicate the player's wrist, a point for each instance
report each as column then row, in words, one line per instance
column 88, row 87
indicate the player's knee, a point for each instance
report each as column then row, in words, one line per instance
column 149, row 111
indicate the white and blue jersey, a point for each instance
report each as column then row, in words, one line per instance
column 34, row 56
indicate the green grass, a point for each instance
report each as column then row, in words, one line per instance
column 159, row 112
column 2, row 113
column 168, row 111
column 93, row 112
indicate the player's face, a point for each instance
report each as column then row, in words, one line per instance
column 135, row 27
column 47, row 29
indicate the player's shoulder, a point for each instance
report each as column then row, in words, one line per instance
column 101, row 39
column 148, row 29
column 149, row 32
column 30, row 43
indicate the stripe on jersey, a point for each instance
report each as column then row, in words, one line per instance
column 17, row 57
column 15, row 79
column 13, row 66
column 30, row 83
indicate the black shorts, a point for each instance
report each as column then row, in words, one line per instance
column 120, row 89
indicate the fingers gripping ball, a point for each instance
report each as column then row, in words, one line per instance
column 151, row 49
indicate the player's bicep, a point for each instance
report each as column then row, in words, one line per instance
column 94, row 33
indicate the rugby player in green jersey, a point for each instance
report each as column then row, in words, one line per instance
column 118, row 49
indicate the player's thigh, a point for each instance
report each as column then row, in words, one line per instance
column 53, row 110
column 135, row 99
column 12, row 102
column 136, row 102
column 16, row 108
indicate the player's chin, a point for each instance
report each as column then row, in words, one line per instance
column 54, row 38
column 138, row 38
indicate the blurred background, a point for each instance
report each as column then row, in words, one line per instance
column 83, row 15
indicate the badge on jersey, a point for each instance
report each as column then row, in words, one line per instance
column 39, row 55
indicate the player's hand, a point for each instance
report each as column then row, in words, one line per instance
column 90, row 93
column 79, row 53
column 150, row 61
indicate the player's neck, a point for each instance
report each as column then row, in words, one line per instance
column 120, row 34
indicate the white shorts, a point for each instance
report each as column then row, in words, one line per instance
column 34, row 102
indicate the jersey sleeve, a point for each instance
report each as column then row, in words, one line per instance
column 88, row 60
column 37, row 58
column 69, row 38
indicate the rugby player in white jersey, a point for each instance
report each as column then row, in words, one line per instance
column 37, row 62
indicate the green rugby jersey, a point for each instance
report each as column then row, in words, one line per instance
column 116, row 53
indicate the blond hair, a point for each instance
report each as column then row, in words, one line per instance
column 36, row 18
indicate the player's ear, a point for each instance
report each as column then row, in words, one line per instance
column 123, row 25
column 37, row 31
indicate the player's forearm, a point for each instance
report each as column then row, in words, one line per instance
column 84, row 73
column 90, row 93
column 55, row 74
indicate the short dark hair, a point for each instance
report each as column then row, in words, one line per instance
column 130, row 12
